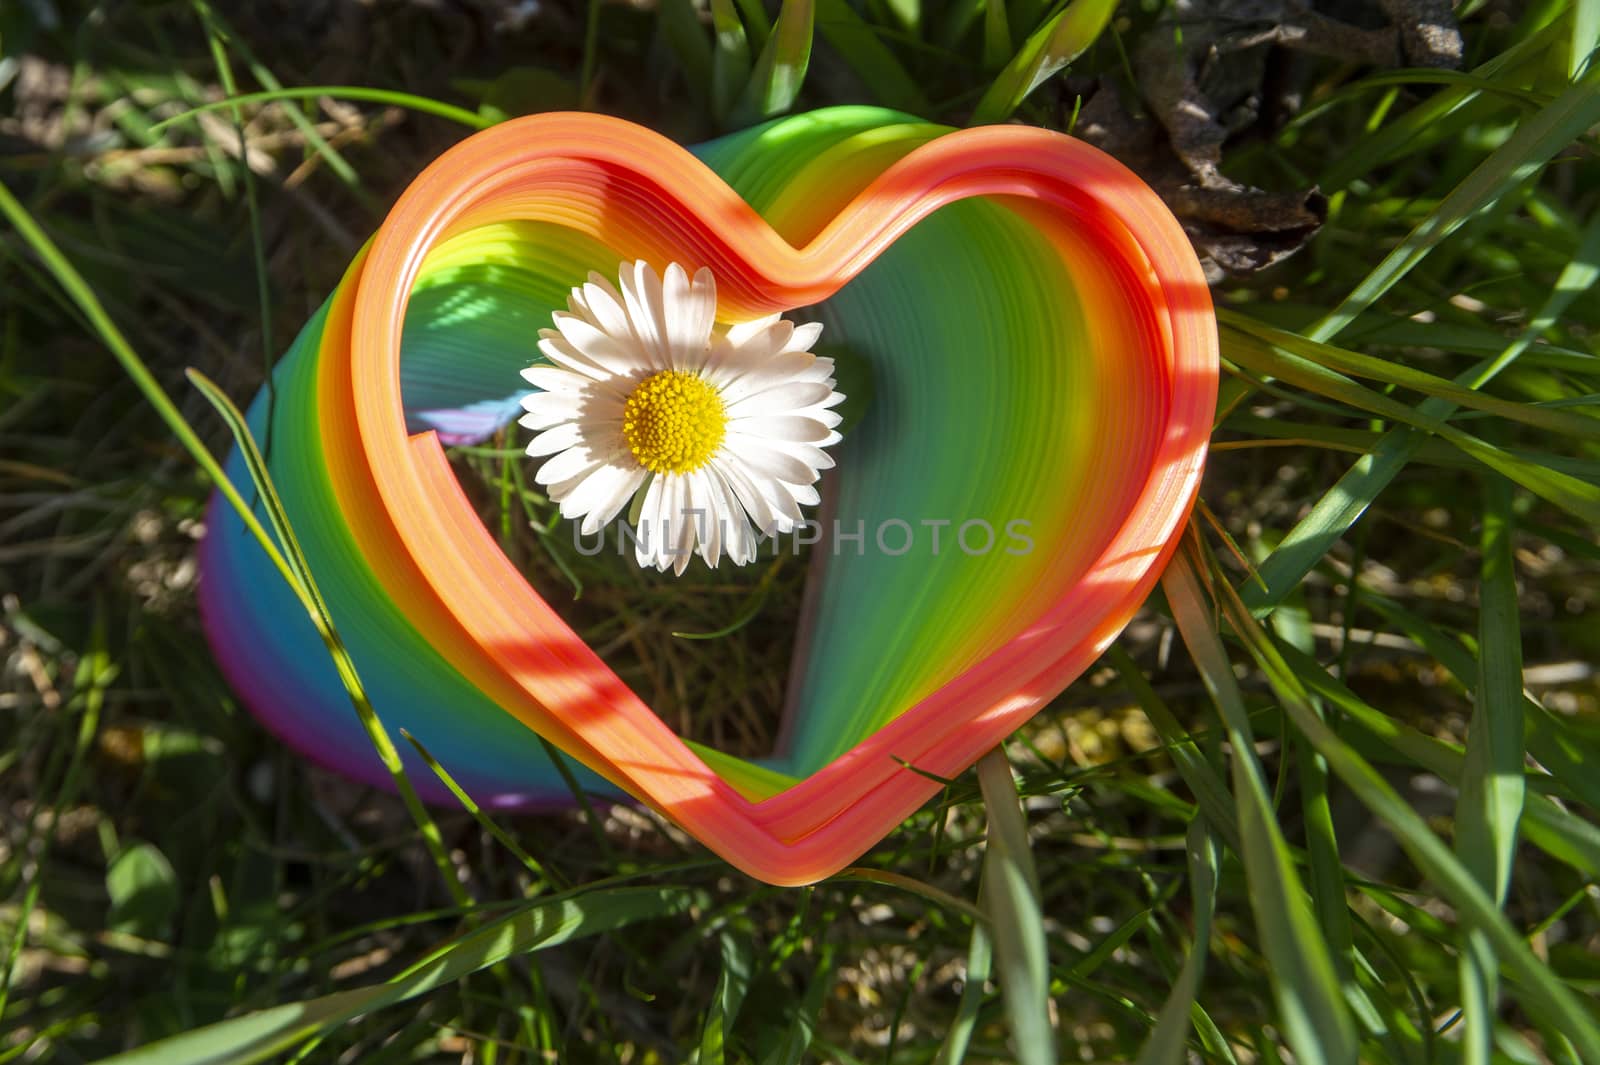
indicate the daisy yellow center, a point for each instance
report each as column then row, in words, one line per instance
column 674, row 422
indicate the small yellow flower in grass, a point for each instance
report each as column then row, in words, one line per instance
column 709, row 428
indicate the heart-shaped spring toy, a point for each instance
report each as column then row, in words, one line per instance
column 1044, row 366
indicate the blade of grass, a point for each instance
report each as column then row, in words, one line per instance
column 1211, row 1038
column 1011, row 895
column 738, row 963
column 591, row 54
column 485, row 822
column 958, row 19
column 1542, row 992
column 1546, row 824
column 258, row 70
column 1292, row 625
column 980, row 962
column 1393, row 373
column 680, row 26
column 869, row 58
column 1578, row 497
column 730, row 62
column 916, row 887
column 1489, row 803
column 781, row 66
column 1566, row 753
column 1492, row 782
column 1425, row 76
column 258, row 249
column 1530, row 147
column 791, row 1050
column 591, row 817
column 1411, row 1041
column 370, row 722
column 1210, row 790
column 1168, row 1040
column 409, row 101
column 1049, row 48
column 1535, row 142
column 907, row 14
column 996, row 35
column 1585, row 36
column 1315, row 1020
column 1327, row 877
column 757, row 24
column 1407, row 133
column 1342, row 505
column 1114, row 941
column 747, row 613
column 260, row 1035
column 1280, row 432
column 72, row 282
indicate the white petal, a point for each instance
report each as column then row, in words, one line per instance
column 749, row 375
column 624, row 495
column 560, row 490
column 744, row 489
column 641, row 293
column 804, row 494
column 820, row 370
column 605, row 307
column 648, row 533
column 732, row 519
column 615, row 355
column 676, row 531
column 741, row 333
column 784, row 427
column 762, row 347
column 554, row 379
column 777, row 509
column 597, row 405
column 540, row 422
column 567, row 465
column 811, row 455
column 805, row 337
column 601, row 496
column 550, row 404
column 767, row 460
column 690, row 313
column 817, row 413
column 728, row 362
column 563, row 436
column 784, row 505
column 562, row 352
column 722, row 362
column 778, row 399
column 708, row 516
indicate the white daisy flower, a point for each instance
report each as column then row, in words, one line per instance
column 713, row 427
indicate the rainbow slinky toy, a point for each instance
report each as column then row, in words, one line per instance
column 1042, row 349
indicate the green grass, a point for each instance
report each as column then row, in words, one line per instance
column 1331, row 797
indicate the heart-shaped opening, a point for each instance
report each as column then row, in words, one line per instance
column 1043, row 363
column 478, row 304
